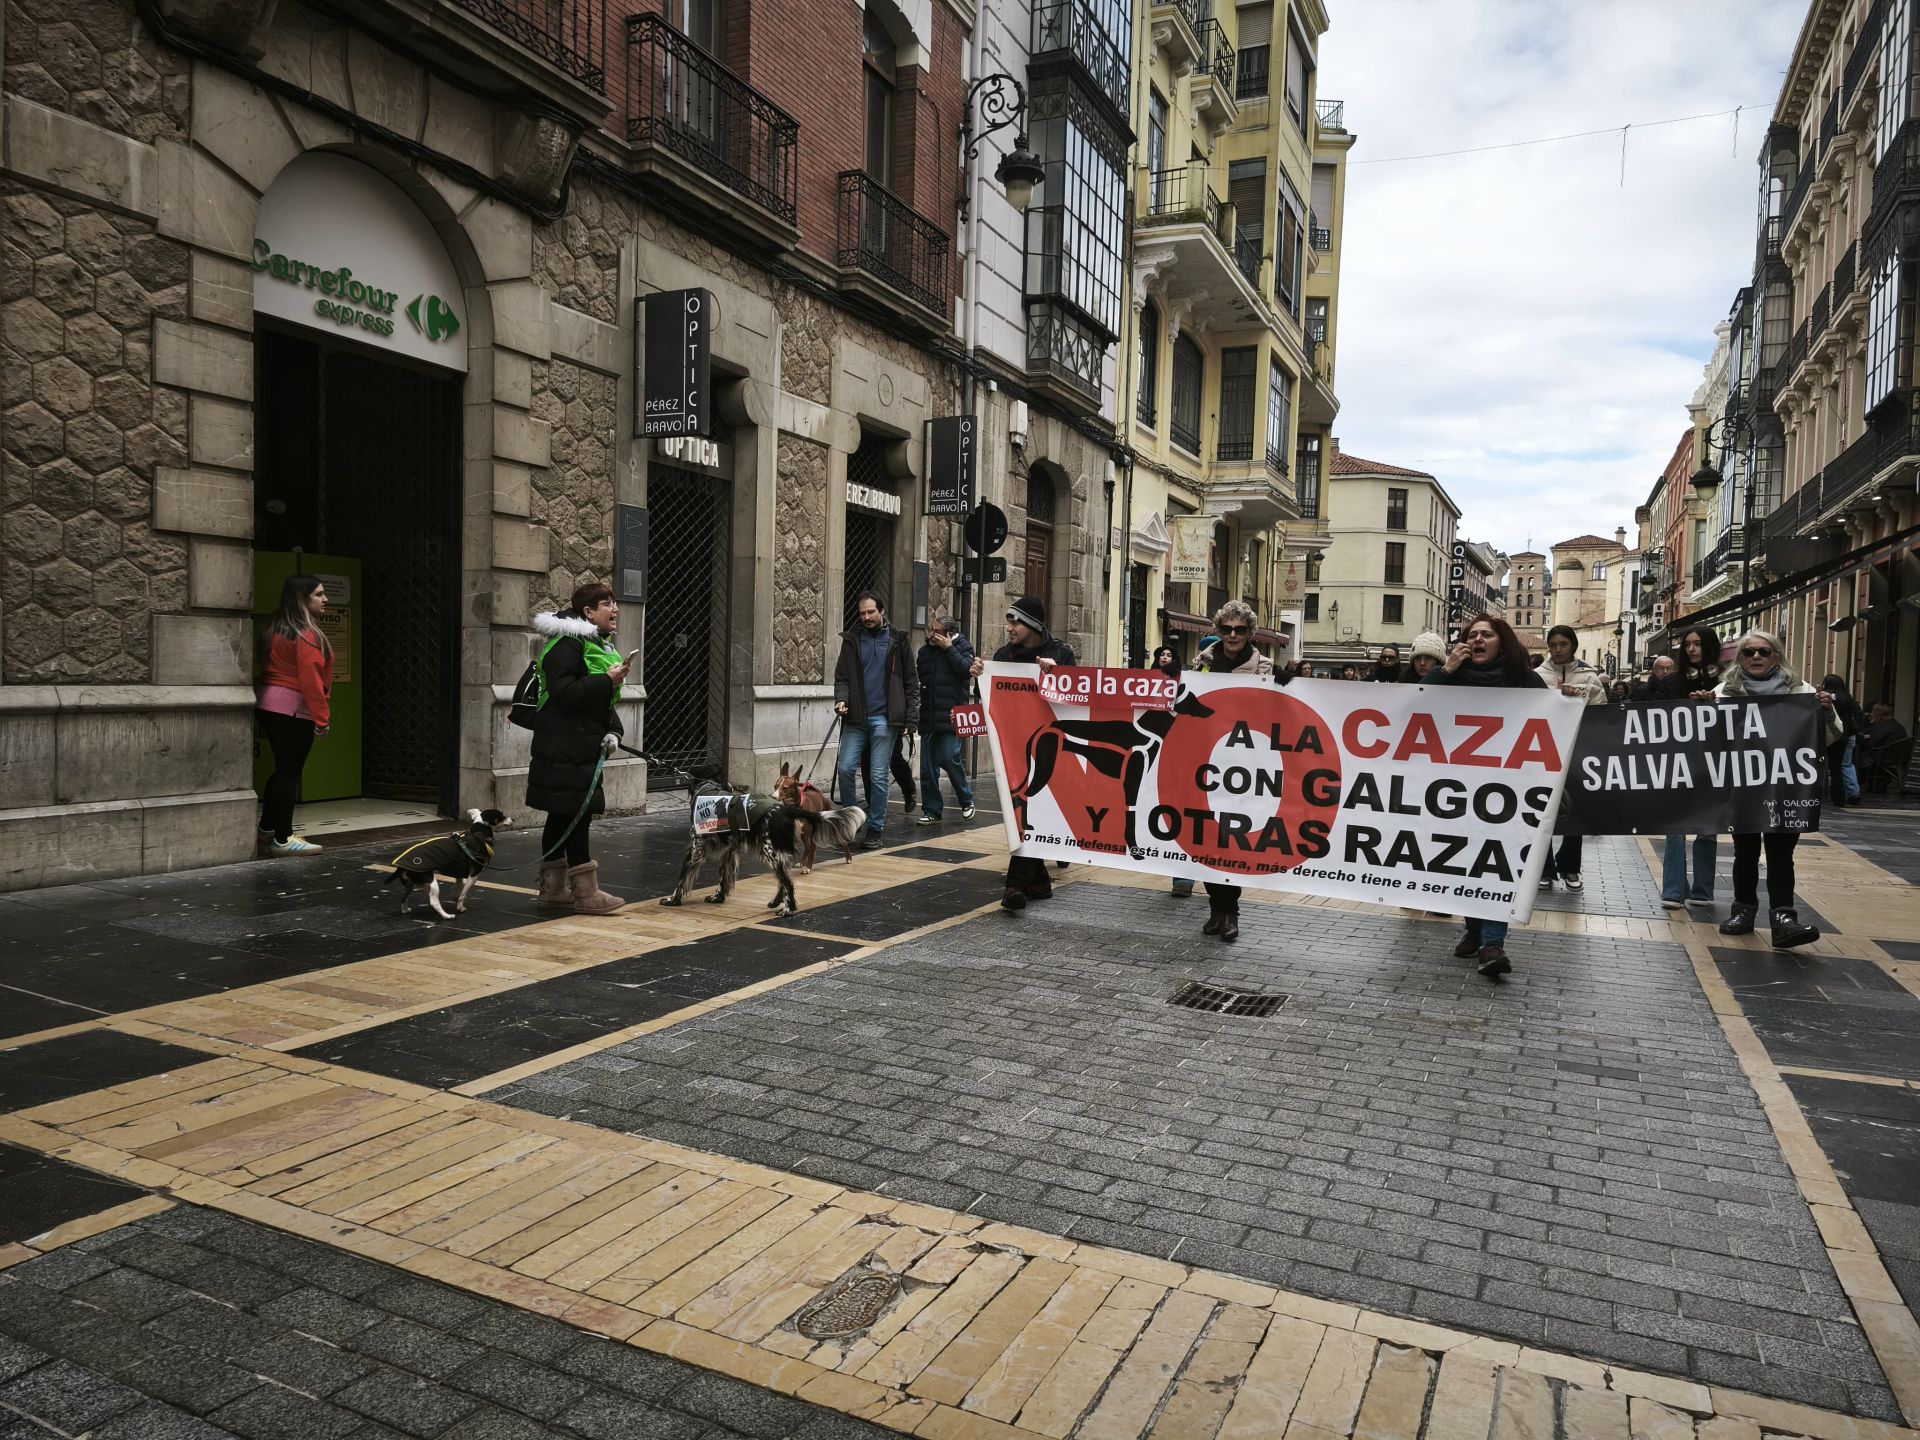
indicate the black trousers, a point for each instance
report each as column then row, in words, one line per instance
column 1567, row 861
column 1779, row 845
column 1029, row 875
column 1227, row 897
column 291, row 739
column 578, row 852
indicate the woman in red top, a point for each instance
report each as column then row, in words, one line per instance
column 295, row 683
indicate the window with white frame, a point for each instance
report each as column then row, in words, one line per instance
column 1896, row 73
column 1883, row 333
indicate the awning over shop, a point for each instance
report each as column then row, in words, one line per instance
column 1791, row 587
column 1273, row 638
column 1188, row 624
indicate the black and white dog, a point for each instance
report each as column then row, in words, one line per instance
column 459, row 857
column 724, row 824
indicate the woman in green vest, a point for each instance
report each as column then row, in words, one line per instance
column 581, row 672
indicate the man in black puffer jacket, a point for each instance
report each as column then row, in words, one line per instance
column 946, row 680
column 1028, row 643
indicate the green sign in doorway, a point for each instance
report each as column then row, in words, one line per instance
column 333, row 769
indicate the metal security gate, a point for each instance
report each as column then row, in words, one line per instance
column 684, row 666
column 870, row 536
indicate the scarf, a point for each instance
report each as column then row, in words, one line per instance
column 1219, row 663
column 1775, row 682
column 1492, row 676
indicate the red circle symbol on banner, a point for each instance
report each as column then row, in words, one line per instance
column 1199, row 772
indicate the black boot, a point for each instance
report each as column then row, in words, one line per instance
column 1216, row 917
column 1740, row 922
column 1494, row 962
column 1789, row 932
column 1469, row 945
column 1230, row 921
column 1014, row 899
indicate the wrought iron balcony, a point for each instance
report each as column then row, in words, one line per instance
column 1181, row 196
column 1796, row 350
column 1067, row 29
column 1768, row 249
column 1246, row 255
column 882, row 236
column 1843, row 274
column 1065, row 353
column 684, row 104
column 1318, row 236
column 1896, row 182
column 1737, row 395
column 1829, row 122
column 1251, row 81
column 1234, row 448
column 1216, row 54
column 1860, row 61
column 1797, row 196
column 1331, row 114
column 1822, row 313
column 570, row 35
column 1893, row 435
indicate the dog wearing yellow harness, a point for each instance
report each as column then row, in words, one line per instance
column 460, row 857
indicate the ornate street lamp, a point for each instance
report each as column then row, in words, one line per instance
column 1706, row 480
column 1001, row 101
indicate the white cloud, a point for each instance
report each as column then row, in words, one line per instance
column 1519, row 322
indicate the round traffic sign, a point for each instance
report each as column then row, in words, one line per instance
column 986, row 528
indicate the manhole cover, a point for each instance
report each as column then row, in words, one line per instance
column 849, row 1307
column 1211, row 998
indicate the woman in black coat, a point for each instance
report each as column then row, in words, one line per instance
column 581, row 672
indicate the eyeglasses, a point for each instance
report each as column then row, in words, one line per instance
column 1753, row 651
column 1235, row 629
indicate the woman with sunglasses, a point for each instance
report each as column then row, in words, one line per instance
column 1759, row 670
column 1232, row 654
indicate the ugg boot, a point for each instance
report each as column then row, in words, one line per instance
column 1740, row 922
column 588, row 897
column 1789, row 932
column 1216, row 917
column 1230, row 920
column 553, row 885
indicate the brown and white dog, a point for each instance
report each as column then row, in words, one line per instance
column 723, row 824
column 805, row 796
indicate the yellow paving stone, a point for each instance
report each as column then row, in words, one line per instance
column 428, row 1157
column 85, row 1114
column 957, row 1368
column 689, row 1245
column 1650, row 1420
column 1139, row 1267
column 846, row 1393
column 1463, row 1398
column 201, row 1134
column 425, row 1190
column 227, row 1146
column 566, row 1220
column 1229, row 1287
column 1675, row 1394
column 362, row 1116
column 900, row 1250
column 1412, row 1333
column 165, row 1117
column 779, row 1302
column 1485, row 1347
column 1841, row 1229
column 1299, row 1431
column 1396, row 1398
column 665, row 1188
column 1320, row 1312
column 1331, row 1397
column 1723, row 1427
column 1895, row 1339
column 343, row 1169
column 476, row 1236
column 1863, row 1277
column 13, row 1252
column 1524, row 1408
column 701, row 1273
column 98, row 1223
column 944, row 1263
column 1563, row 1367
column 1205, row 1390
column 199, row 1190
column 1016, row 1371
column 1266, row 1399
column 358, row 1239
column 729, row 1357
column 942, row 1422
column 1094, row 1354
column 765, row 1271
column 1593, row 1414
column 789, row 1342
column 477, row 1197
column 1029, row 1242
column 309, row 1163
column 700, row 1198
column 910, row 1352
column 932, row 1217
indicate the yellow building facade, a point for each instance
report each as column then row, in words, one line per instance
column 1227, row 384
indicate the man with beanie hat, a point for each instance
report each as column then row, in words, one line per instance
column 1028, row 643
column 1429, row 654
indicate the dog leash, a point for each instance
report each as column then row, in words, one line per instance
column 823, row 745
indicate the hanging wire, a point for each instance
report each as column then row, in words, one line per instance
column 1556, row 139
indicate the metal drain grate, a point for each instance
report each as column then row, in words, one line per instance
column 1211, row 998
column 849, row 1307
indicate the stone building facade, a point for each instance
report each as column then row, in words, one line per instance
column 153, row 408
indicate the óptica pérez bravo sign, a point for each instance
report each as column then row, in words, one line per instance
column 351, row 302
column 676, row 393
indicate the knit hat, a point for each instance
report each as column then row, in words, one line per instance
column 1428, row 642
column 1030, row 611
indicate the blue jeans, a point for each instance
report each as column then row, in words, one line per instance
column 940, row 755
column 869, row 741
column 1488, row 932
column 1673, row 868
column 1847, row 772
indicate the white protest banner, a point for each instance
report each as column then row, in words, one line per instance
column 1430, row 797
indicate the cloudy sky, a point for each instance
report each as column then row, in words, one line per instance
column 1518, row 322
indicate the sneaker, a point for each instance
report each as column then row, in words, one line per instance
column 1546, row 882
column 966, row 811
column 927, row 820
column 1493, row 961
column 1667, row 903
column 1014, row 899
column 871, row 842
column 1574, row 882
column 293, row 845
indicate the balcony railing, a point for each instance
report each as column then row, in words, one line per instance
column 1896, row 180
column 1277, row 461
column 1062, row 345
column 570, row 35
column 1216, row 54
column 1829, row 122
column 1331, row 114
column 1246, row 255
column 1318, row 236
column 1860, row 61
column 1822, row 313
column 683, row 100
column 1234, row 447
column 1894, row 435
column 1181, row 195
column 1797, row 196
column 885, row 237
column 1843, row 274
column 1796, row 350
column 1251, row 81
column 1769, row 243
column 1320, row 356
column 1736, row 397
column 1068, row 27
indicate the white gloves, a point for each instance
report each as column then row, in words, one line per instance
column 608, row 744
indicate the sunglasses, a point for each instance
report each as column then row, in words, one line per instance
column 1235, row 629
column 1756, row 650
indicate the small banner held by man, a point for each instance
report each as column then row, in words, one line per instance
column 1432, row 798
column 1696, row 768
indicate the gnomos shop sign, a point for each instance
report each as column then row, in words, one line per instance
column 340, row 248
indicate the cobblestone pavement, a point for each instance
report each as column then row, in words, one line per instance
column 1659, row 1185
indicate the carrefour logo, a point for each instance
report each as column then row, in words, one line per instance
column 433, row 317
column 350, row 302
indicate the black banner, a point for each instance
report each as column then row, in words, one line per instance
column 677, row 364
column 1697, row 767
column 952, row 465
